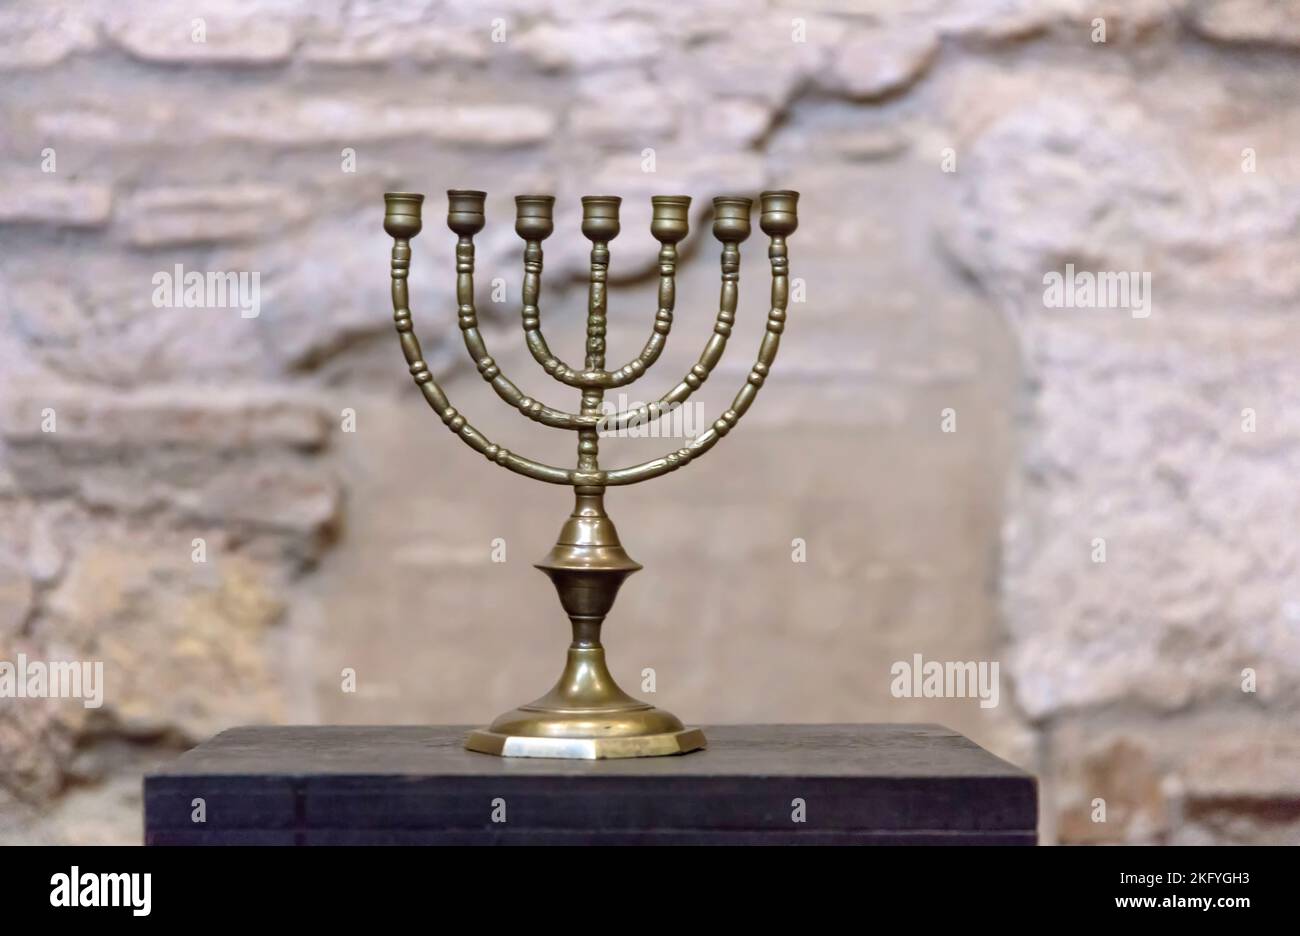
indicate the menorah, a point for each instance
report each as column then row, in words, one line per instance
column 586, row 714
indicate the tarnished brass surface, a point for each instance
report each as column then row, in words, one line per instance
column 647, row 745
column 586, row 714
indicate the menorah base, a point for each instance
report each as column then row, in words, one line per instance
column 486, row 741
column 586, row 717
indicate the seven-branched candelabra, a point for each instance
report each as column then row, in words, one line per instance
column 586, row 714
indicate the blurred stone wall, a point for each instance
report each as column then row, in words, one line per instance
column 229, row 512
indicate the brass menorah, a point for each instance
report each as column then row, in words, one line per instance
column 586, row 714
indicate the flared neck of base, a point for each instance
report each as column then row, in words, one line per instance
column 586, row 683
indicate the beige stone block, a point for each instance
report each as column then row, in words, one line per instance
column 1247, row 22
column 304, row 121
column 206, row 214
column 588, row 43
column 169, row 36
column 48, row 200
column 46, row 34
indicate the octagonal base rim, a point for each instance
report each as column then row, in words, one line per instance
column 485, row 741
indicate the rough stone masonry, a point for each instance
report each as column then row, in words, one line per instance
column 253, row 518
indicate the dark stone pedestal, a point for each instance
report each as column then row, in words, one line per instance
column 858, row 784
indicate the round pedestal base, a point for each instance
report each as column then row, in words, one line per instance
column 486, row 741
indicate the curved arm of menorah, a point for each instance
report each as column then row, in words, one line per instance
column 669, row 223
column 654, row 345
column 534, row 223
column 532, row 320
column 402, row 222
column 779, row 220
column 465, row 218
column 731, row 226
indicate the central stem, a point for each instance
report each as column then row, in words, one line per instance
column 593, row 395
column 588, row 563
